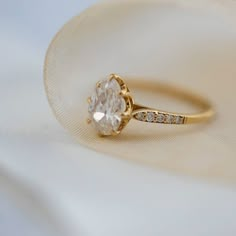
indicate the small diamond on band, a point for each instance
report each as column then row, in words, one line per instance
column 179, row 120
column 150, row 116
column 140, row 116
column 160, row 118
column 169, row 119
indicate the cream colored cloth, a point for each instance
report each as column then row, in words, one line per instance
column 189, row 45
column 69, row 189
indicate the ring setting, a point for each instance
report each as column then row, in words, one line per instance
column 112, row 106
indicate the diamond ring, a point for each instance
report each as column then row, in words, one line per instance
column 112, row 106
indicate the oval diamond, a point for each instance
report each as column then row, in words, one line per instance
column 106, row 107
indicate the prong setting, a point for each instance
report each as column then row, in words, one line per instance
column 98, row 84
column 113, row 106
column 89, row 100
column 88, row 121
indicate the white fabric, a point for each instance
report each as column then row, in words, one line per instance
column 71, row 190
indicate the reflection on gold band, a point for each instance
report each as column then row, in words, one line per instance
column 152, row 115
column 112, row 105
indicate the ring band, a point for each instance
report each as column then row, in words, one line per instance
column 112, row 106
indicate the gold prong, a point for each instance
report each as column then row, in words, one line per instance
column 89, row 100
column 89, row 121
column 122, row 93
column 112, row 76
column 98, row 84
column 114, row 133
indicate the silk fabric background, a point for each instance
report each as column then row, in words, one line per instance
column 52, row 185
column 191, row 46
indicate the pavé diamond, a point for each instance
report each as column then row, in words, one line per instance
column 179, row 120
column 150, row 116
column 160, row 118
column 106, row 107
column 140, row 116
column 170, row 119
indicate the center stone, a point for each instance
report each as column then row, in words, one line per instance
column 106, row 107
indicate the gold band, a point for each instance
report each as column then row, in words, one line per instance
column 164, row 117
column 147, row 114
column 112, row 105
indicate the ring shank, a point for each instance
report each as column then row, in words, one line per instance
column 152, row 115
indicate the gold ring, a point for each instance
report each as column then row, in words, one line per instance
column 112, row 106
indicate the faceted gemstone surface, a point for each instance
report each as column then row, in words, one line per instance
column 106, row 107
column 150, row 116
